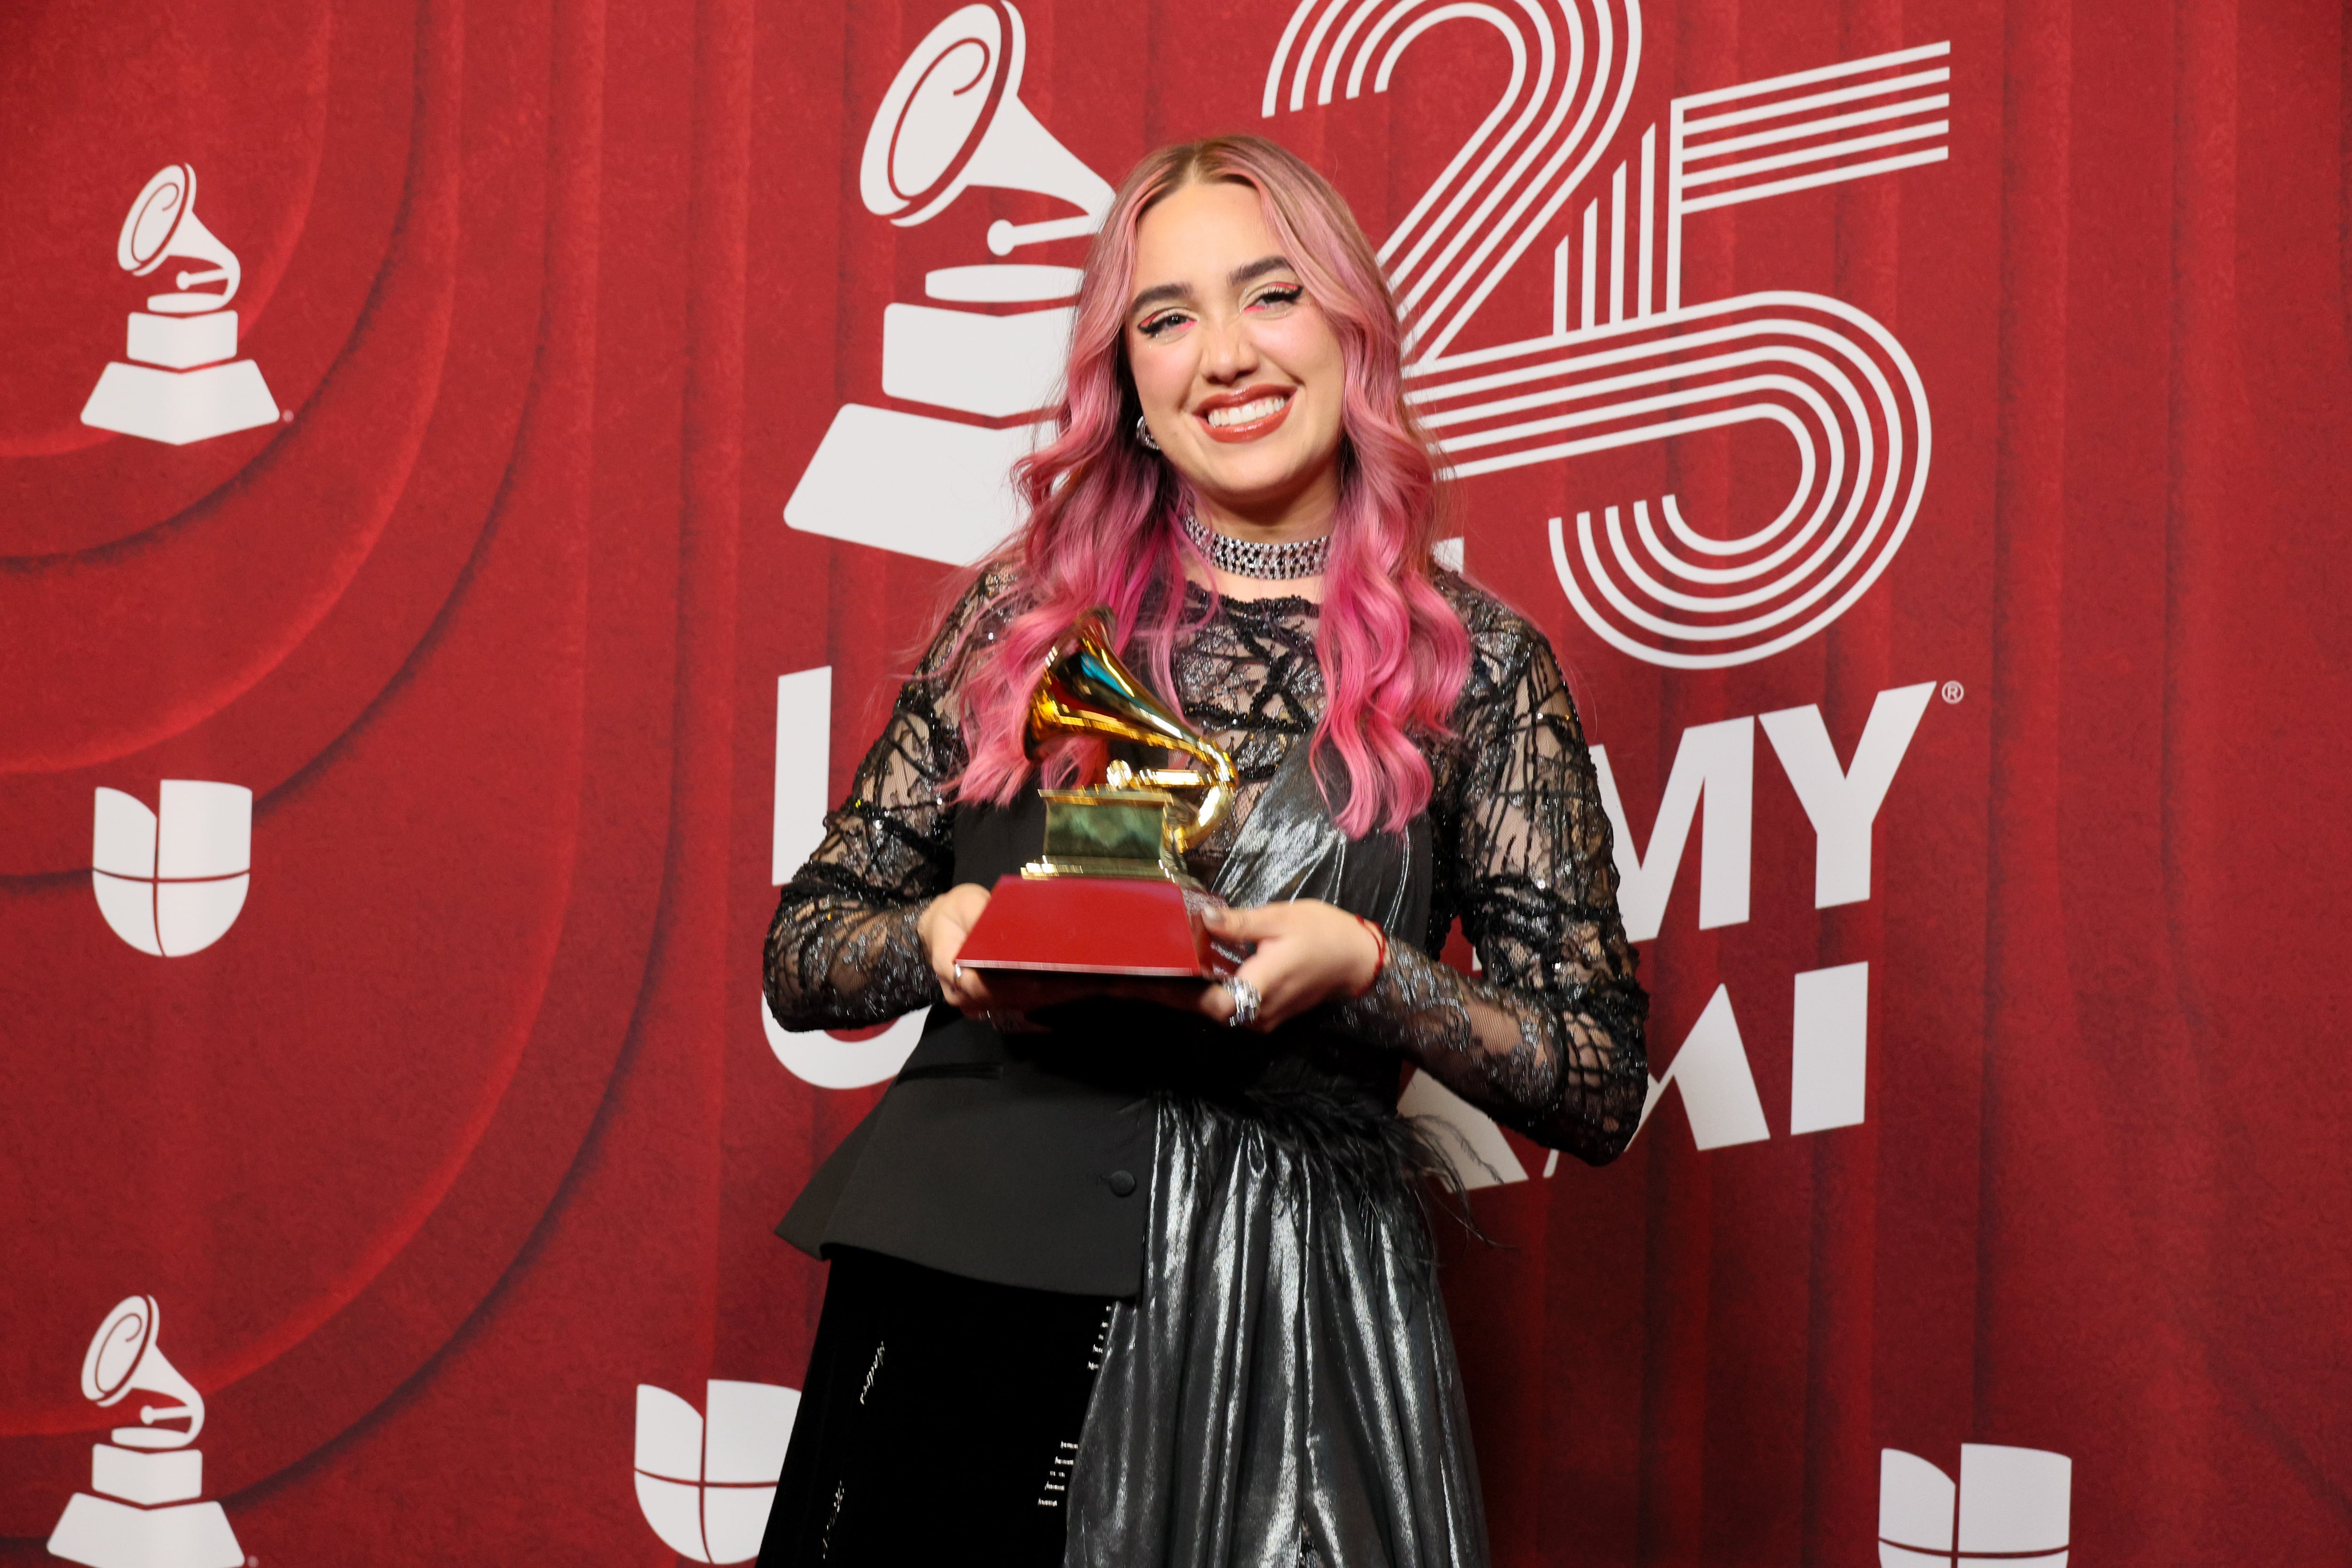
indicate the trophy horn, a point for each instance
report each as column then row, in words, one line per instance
column 1085, row 691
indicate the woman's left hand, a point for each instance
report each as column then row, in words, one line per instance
column 1308, row 951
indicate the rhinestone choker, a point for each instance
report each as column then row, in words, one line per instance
column 1252, row 558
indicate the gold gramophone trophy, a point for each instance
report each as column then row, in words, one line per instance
column 1110, row 895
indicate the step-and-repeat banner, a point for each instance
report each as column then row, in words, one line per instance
column 470, row 473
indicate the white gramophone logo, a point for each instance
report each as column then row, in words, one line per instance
column 705, row 1485
column 185, row 382
column 144, row 1514
column 173, row 882
column 2013, row 1508
column 918, row 483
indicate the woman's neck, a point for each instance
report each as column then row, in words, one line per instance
column 1306, row 513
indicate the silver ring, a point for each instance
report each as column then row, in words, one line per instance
column 955, row 974
column 1246, row 1002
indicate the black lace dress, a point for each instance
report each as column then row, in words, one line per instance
column 1283, row 1388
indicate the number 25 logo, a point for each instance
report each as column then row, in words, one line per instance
column 1629, row 361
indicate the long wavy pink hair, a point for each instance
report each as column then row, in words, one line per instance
column 1103, row 510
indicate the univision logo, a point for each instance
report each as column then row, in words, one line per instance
column 172, row 881
column 2013, row 1508
column 705, row 1485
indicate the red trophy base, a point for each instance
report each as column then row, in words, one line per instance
column 1135, row 926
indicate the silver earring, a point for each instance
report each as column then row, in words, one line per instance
column 1143, row 433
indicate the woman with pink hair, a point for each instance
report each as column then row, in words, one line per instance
column 1143, row 1279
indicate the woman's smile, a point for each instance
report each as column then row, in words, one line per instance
column 1246, row 415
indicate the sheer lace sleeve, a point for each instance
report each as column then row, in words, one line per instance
column 841, row 951
column 1548, row 1039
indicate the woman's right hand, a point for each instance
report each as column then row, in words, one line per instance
column 942, row 927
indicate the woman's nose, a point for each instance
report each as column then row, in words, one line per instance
column 1229, row 353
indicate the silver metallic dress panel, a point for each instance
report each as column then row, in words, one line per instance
column 1284, row 1391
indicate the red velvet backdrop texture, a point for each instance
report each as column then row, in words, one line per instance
column 1921, row 425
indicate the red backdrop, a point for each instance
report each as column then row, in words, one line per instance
column 467, row 1124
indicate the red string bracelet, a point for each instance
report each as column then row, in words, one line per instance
column 1380, row 935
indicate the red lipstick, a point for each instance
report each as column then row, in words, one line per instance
column 1260, row 425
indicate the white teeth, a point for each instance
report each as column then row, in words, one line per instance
column 1245, row 413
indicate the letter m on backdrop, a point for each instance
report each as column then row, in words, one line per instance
column 1716, row 764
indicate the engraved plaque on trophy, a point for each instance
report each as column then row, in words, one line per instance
column 1110, row 894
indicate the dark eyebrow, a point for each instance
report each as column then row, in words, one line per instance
column 1174, row 293
column 1159, row 293
column 1258, row 268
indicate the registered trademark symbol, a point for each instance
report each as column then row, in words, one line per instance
column 1953, row 691
column 285, row 419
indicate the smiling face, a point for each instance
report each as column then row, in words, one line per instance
column 1238, row 370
